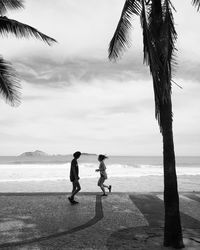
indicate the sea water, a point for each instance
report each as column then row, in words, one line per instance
column 117, row 166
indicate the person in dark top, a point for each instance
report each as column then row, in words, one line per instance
column 74, row 177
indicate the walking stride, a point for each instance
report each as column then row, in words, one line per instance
column 74, row 177
column 103, row 175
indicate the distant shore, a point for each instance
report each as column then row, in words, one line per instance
column 189, row 183
column 34, row 158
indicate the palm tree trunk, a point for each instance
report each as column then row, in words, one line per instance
column 172, row 228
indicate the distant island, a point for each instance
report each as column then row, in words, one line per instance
column 38, row 156
column 88, row 154
column 33, row 154
column 39, row 153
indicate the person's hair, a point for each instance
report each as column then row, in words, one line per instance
column 102, row 157
column 77, row 154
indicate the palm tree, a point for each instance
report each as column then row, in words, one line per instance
column 9, row 83
column 159, row 37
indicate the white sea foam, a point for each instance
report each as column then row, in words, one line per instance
column 54, row 172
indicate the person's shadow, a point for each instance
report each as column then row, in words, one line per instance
column 97, row 217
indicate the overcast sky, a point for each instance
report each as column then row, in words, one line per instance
column 73, row 98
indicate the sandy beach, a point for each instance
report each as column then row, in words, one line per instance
column 142, row 184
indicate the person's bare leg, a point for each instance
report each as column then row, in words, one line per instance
column 108, row 187
column 76, row 189
column 103, row 189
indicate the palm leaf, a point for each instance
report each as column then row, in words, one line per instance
column 169, row 37
column 9, row 83
column 10, row 4
column 162, row 46
column 120, row 40
column 196, row 3
column 22, row 30
column 151, row 57
column 155, row 20
column 146, row 34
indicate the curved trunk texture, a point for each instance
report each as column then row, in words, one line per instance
column 172, row 229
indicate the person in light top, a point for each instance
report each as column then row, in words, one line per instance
column 103, row 175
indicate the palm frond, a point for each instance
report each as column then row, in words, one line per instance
column 155, row 19
column 9, row 83
column 146, row 35
column 168, row 37
column 163, row 38
column 120, row 40
column 22, row 30
column 151, row 57
column 10, row 4
column 196, row 3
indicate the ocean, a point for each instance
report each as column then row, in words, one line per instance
column 57, row 168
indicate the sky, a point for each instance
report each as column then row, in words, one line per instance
column 73, row 98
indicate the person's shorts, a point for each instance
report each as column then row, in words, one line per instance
column 101, row 181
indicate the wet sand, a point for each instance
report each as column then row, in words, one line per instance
column 119, row 184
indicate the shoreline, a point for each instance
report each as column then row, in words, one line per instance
column 142, row 184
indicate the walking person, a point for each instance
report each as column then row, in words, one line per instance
column 74, row 177
column 103, row 175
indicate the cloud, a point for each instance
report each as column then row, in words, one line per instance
column 44, row 71
column 188, row 70
column 78, row 115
